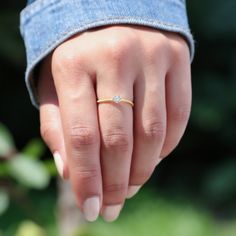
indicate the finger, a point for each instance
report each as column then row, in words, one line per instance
column 178, row 99
column 78, row 109
column 116, row 128
column 50, row 122
column 51, row 132
column 149, row 126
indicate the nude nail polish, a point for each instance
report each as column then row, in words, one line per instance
column 111, row 213
column 59, row 163
column 132, row 190
column 91, row 208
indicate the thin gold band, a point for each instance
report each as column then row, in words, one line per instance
column 116, row 99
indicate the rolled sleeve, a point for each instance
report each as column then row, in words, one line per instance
column 45, row 24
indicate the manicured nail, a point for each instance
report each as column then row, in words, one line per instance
column 132, row 190
column 111, row 213
column 59, row 163
column 91, row 208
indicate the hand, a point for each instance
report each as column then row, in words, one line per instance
column 110, row 150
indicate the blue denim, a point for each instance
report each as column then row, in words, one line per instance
column 45, row 24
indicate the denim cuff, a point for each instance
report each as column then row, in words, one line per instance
column 45, row 24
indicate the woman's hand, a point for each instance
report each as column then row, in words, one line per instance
column 110, row 150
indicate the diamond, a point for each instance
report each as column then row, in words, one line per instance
column 117, row 99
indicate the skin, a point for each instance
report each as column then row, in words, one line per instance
column 108, row 147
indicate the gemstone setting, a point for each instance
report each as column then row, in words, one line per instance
column 116, row 99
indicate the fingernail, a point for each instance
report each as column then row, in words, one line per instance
column 91, row 208
column 132, row 190
column 111, row 213
column 59, row 163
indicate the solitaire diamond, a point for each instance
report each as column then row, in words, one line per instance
column 117, row 99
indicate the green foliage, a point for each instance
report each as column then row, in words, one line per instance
column 4, row 202
column 35, row 148
column 28, row 172
column 21, row 171
column 28, row 228
column 24, row 167
column 147, row 214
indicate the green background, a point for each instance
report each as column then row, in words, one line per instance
column 192, row 192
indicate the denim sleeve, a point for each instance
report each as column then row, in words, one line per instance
column 45, row 24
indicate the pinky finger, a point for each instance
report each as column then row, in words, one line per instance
column 178, row 102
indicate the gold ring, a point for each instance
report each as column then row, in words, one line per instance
column 116, row 99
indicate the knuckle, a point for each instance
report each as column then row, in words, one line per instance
column 82, row 136
column 162, row 44
column 118, row 47
column 115, row 188
column 116, row 138
column 66, row 58
column 154, row 129
column 87, row 174
column 62, row 57
column 154, row 125
column 180, row 50
column 157, row 51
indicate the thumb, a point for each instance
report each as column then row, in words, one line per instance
column 50, row 121
column 51, row 132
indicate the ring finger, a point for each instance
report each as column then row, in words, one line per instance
column 116, row 129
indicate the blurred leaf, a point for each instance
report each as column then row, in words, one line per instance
column 228, row 229
column 4, row 202
column 6, row 141
column 4, row 172
column 29, row 172
column 28, row 228
column 35, row 148
column 51, row 168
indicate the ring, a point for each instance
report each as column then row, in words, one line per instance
column 116, row 99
